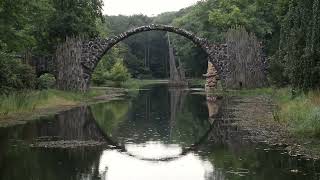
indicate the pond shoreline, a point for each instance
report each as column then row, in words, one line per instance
column 255, row 114
column 106, row 94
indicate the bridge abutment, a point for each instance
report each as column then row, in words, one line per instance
column 71, row 75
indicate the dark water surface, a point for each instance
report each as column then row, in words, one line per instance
column 157, row 134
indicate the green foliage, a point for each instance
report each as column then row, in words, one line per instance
column 165, row 18
column 116, row 72
column 29, row 101
column 18, row 102
column 145, row 53
column 23, row 22
column 134, row 84
column 301, row 114
column 195, row 19
column 41, row 24
column 255, row 15
column 74, row 18
column 299, row 50
column 46, row 81
column 119, row 73
column 99, row 77
column 38, row 26
column 14, row 75
column 102, row 72
column 277, row 74
column 212, row 18
column 110, row 115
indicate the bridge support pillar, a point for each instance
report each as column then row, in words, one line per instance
column 71, row 75
column 211, row 78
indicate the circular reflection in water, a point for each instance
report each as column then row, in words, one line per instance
column 116, row 165
column 154, row 150
column 163, row 115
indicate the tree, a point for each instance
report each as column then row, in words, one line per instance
column 14, row 75
column 23, row 23
column 119, row 73
column 38, row 26
column 299, row 44
column 74, row 18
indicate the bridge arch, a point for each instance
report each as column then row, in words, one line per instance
column 92, row 52
column 121, row 148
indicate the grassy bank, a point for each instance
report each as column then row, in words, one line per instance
column 134, row 83
column 300, row 115
column 139, row 83
column 30, row 101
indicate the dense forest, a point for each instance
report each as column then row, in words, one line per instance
column 287, row 29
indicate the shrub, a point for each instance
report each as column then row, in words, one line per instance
column 99, row 77
column 119, row 73
column 14, row 75
column 46, row 81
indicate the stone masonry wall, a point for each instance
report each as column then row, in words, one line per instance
column 71, row 76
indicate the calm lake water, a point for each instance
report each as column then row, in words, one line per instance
column 156, row 134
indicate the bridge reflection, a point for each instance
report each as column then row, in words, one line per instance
column 82, row 124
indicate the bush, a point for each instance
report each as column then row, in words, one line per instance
column 99, row 77
column 46, row 81
column 119, row 73
column 14, row 75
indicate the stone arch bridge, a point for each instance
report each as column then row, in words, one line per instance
column 77, row 59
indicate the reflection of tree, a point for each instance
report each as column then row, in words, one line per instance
column 23, row 162
column 147, row 117
column 70, row 125
column 110, row 115
column 177, row 96
column 190, row 119
column 156, row 115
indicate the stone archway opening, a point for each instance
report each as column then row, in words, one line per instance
column 148, row 55
column 77, row 59
column 143, row 54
